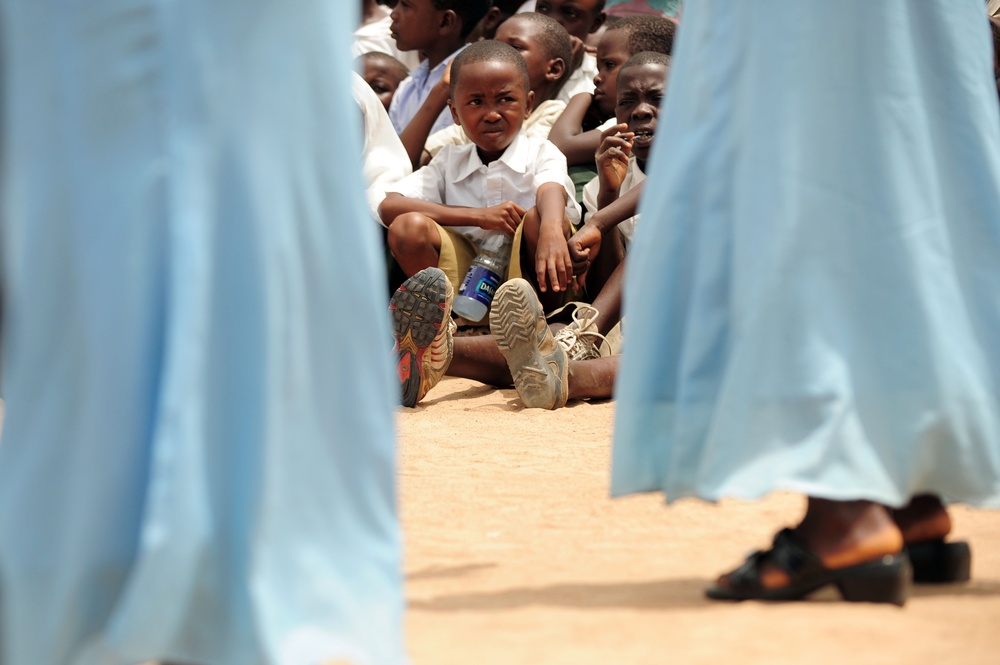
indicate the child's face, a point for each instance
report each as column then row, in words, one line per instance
column 382, row 79
column 612, row 52
column 523, row 36
column 579, row 17
column 640, row 90
column 491, row 103
column 415, row 24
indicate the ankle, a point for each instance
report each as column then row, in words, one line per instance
column 843, row 533
column 924, row 518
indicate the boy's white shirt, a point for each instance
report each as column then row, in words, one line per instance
column 581, row 80
column 375, row 36
column 385, row 158
column 458, row 177
column 536, row 126
column 633, row 178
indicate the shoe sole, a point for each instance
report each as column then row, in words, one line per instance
column 538, row 369
column 938, row 562
column 418, row 310
column 884, row 580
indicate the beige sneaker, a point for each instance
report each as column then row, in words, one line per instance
column 580, row 337
column 422, row 328
column 540, row 366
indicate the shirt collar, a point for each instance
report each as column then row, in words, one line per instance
column 515, row 157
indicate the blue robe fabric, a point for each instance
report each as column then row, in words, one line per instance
column 813, row 297
column 198, row 456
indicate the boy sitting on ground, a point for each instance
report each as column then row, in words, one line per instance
column 546, row 368
column 545, row 47
column 467, row 194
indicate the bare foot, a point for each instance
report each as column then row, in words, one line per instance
column 839, row 533
column 924, row 518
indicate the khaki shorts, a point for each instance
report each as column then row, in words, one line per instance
column 458, row 252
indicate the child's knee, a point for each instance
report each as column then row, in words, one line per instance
column 411, row 230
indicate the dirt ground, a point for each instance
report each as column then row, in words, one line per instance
column 515, row 554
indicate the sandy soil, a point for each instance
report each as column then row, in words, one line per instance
column 515, row 554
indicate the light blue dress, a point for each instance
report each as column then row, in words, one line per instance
column 198, row 456
column 813, row 297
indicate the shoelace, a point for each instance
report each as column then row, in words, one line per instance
column 580, row 344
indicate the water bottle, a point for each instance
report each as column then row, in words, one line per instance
column 484, row 277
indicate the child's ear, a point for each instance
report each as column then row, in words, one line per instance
column 454, row 115
column 530, row 106
column 555, row 70
column 450, row 23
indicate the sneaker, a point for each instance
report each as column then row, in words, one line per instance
column 423, row 329
column 540, row 366
column 580, row 338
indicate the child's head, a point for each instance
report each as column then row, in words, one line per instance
column 497, row 14
column 490, row 95
column 424, row 24
column 545, row 47
column 649, row 33
column 382, row 72
column 642, row 81
column 621, row 40
column 579, row 17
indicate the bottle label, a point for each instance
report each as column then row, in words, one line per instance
column 480, row 284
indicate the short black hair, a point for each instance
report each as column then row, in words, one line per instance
column 489, row 50
column 555, row 40
column 469, row 12
column 382, row 58
column 647, row 33
column 645, row 58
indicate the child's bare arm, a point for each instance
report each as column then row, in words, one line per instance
column 586, row 243
column 553, row 267
column 504, row 217
column 415, row 135
column 567, row 133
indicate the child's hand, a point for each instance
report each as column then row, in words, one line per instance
column 612, row 157
column 504, row 217
column 553, row 266
column 583, row 249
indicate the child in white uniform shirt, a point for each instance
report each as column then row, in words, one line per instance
column 440, row 214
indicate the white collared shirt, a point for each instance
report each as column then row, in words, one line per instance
column 458, row 177
column 633, row 177
column 412, row 92
column 386, row 161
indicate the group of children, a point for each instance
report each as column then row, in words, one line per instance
column 498, row 150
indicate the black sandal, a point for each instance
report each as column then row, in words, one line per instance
column 882, row 580
column 938, row 562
